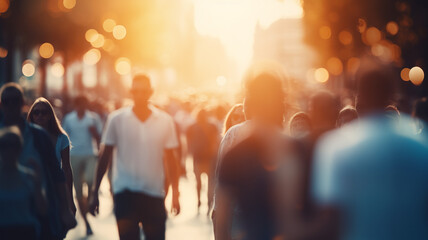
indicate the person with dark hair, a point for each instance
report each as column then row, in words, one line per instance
column 246, row 172
column 234, row 117
column 84, row 128
column 21, row 198
column 300, row 125
column 143, row 137
column 346, row 115
column 202, row 142
column 38, row 152
column 43, row 114
column 370, row 178
column 420, row 112
column 324, row 108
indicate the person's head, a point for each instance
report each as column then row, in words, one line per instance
column 264, row 98
column 234, row 116
column 300, row 125
column 346, row 115
column 11, row 100
column 10, row 145
column 324, row 108
column 43, row 114
column 375, row 91
column 392, row 112
column 202, row 115
column 141, row 90
column 81, row 103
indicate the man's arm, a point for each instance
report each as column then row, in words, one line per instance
column 105, row 156
column 172, row 171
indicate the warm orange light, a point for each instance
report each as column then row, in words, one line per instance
column 57, row 70
column 91, row 35
column 334, row 66
column 108, row 25
column 28, row 68
column 108, row 45
column 98, row 42
column 353, row 64
column 119, row 32
column 123, row 66
column 345, row 37
column 325, row 32
column 46, row 50
column 416, row 75
column 405, row 74
column 92, row 56
column 321, row 75
column 392, row 28
column 3, row 52
column 4, row 5
column 373, row 35
column 69, row 4
column 221, row 81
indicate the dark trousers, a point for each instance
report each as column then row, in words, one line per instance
column 132, row 208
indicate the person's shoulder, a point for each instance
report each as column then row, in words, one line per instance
column 70, row 115
column 160, row 113
column 120, row 112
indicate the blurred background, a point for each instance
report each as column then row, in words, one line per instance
column 59, row 48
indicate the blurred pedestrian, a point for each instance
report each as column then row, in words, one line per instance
column 21, row 198
column 43, row 114
column 300, row 125
column 370, row 178
column 143, row 137
column 84, row 129
column 38, row 152
column 202, row 141
column 247, row 170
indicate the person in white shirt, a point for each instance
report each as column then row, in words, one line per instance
column 143, row 137
column 84, row 129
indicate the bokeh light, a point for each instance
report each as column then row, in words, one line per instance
column 3, row 52
column 123, row 66
column 416, row 75
column 46, row 50
column 119, row 32
column 325, row 32
column 4, row 6
column 321, row 75
column 57, row 69
column 335, row 66
column 392, row 28
column 28, row 68
column 345, row 37
column 405, row 74
column 221, row 81
column 98, row 42
column 373, row 35
column 91, row 35
column 92, row 57
column 109, row 25
column 69, row 4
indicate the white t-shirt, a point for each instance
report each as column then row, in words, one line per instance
column 78, row 131
column 138, row 163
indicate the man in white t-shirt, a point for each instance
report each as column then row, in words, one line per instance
column 84, row 129
column 143, row 137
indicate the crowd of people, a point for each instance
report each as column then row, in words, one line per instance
column 330, row 171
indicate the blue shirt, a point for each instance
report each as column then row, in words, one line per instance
column 375, row 171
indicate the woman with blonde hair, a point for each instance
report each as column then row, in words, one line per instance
column 43, row 114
